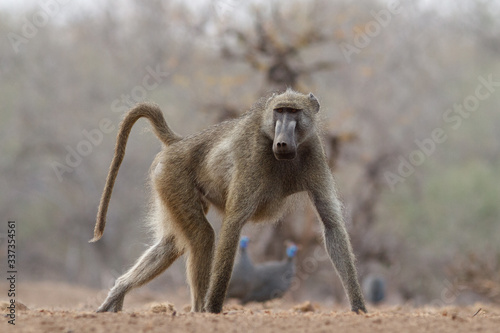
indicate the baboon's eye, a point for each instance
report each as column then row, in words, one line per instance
column 294, row 110
column 279, row 110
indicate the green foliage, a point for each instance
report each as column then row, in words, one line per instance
column 453, row 207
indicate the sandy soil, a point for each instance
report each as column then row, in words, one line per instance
column 53, row 307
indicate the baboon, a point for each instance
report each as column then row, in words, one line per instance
column 250, row 169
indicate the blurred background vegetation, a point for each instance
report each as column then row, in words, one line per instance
column 66, row 67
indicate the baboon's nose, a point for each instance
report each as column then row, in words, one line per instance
column 284, row 151
column 284, row 146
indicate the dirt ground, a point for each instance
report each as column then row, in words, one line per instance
column 56, row 307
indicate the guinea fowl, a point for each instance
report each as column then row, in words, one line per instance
column 374, row 288
column 272, row 279
column 243, row 273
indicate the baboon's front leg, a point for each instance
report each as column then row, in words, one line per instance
column 339, row 249
column 337, row 241
column 222, row 267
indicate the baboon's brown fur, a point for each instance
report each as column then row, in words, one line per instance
column 249, row 168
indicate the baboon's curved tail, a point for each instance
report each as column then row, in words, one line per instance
column 153, row 113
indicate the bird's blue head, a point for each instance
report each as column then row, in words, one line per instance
column 291, row 251
column 244, row 242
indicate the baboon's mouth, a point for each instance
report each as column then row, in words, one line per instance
column 285, row 156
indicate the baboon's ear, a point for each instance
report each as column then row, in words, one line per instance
column 315, row 102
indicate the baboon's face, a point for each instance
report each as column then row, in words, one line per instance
column 285, row 136
column 293, row 117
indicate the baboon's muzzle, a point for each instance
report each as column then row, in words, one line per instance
column 284, row 144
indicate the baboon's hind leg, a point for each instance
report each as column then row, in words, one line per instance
column 198, row 239
column 199, row 263
column 153, row 262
